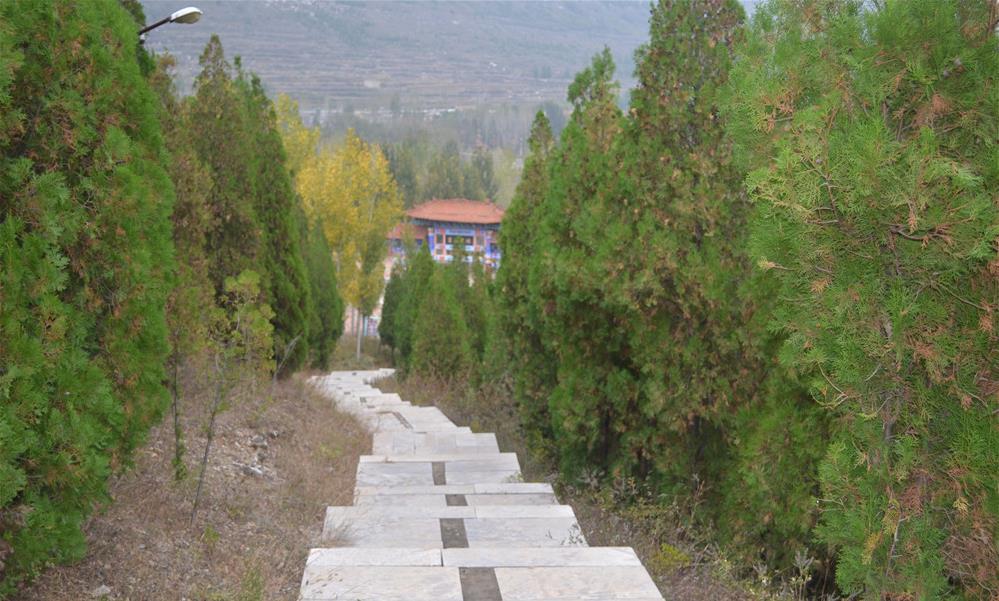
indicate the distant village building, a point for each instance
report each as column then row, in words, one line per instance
column 449, row 226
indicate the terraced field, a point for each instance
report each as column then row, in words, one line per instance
column 428, row 54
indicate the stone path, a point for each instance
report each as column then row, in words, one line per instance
column 440, row 514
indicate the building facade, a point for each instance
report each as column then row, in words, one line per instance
column 452, row 227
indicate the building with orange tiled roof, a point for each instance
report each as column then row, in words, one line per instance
column 447, row 226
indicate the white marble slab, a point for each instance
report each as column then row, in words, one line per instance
column 381, row 584
column 523, row 511
column 575, row 583
column 373, row 556
column 524, row 532
column 541, row 557
column 521, row 499
column 513, row 488
column 469, row 477
column 382, row 531
column 419, row 500
column 439, row 489
column 400, row 511
column 394, row 474
column 455, row 461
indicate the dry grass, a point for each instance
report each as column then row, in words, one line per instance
column 671, row 545
column 252, row 532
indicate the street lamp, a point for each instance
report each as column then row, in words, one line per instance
column 184, row 15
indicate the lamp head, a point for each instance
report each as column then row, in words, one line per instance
column 186, row 15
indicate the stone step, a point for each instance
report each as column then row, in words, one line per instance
column 511, row 488
column 458, row 499
column 540, row 557
column 575, row 583
column 443, row 583
column 340, row 514
column 473, row 558
column 502, row 461
column 433, row 443
column 375, row 470
column 441, row 514
column 382, row 583
column 392, row 531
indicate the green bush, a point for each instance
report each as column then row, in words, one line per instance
column 86, row 260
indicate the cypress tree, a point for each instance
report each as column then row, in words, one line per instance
column 86, row 265
column 870, row 132
column 693, row 314
column 223, row 140
column 390, row 307
column 326, row 315
column 414, row 285
column 289, row 292
column 519, row 313
column 579, row 328
column 440, row 336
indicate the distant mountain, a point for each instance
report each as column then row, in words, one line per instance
column 417, row 54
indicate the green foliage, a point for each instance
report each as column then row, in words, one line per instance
column 424, row 171
column 414, row 286
column 252, row 202
column 326, row 317
column 440, row 336
column 86, row 264
column 870, row 140
column 89, row 284
column 390, row 307
column 637, row 328
column 289, row 291
column 223, row 141
column 519, row 312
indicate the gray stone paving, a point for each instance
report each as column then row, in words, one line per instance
column 441, row 514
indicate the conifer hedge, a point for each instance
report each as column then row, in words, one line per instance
column 123, row 211
column 86, row 259
column 870, row 139
column 769, row 288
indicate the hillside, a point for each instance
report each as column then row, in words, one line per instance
column 427, row 54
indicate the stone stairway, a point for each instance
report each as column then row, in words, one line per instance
column 440, row 514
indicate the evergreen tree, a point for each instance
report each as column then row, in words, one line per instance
column 414, row 286
column 222, row 139
column 445, row 175
column 394, row 293
column 480, row 176
column 289, row 291
column 403, row 164
column 870, row 132
column 519, row 311
column 326, row 319
column 693, row 317
column 579, row 329
column 85, row 203
column 477, row 307
column 440, row 336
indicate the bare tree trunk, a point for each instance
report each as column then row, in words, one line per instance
column 360, row 332
column 221, row 370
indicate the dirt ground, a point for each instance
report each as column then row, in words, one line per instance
column 274, row 467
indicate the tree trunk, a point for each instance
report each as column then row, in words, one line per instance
column 360, row 333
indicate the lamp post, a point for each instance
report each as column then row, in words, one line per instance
column 184, row 15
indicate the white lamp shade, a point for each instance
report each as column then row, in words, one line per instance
column 186, row 15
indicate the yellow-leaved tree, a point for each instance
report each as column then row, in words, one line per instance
column 349, row 190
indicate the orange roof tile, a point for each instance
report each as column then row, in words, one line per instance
column 457, row 210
